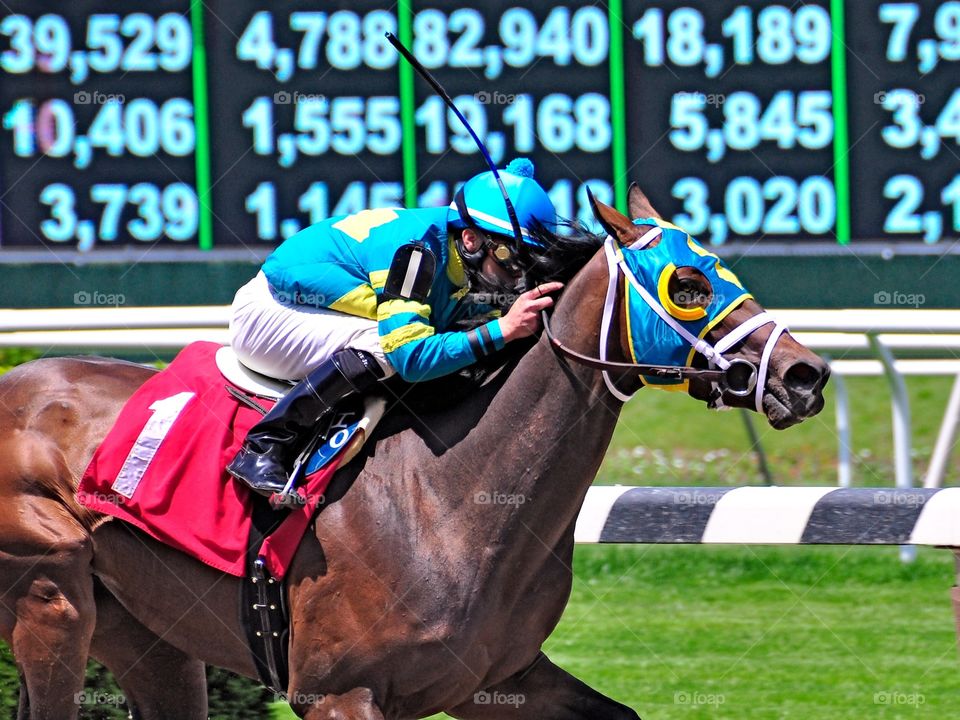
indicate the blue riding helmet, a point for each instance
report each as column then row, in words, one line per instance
column 479, row 203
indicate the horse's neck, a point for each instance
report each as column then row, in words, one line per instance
column 546, row 440
column 542, row 439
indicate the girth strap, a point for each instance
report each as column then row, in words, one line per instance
column 263, row 603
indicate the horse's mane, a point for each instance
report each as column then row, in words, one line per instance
column 558, row 256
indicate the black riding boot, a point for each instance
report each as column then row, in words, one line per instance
column 265, row 460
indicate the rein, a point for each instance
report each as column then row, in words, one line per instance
column 737, row 376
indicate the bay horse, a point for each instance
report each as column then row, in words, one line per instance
column 412, row 594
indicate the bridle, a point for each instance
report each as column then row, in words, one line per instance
column 737, row 376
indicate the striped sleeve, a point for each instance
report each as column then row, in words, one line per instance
column 417, row 352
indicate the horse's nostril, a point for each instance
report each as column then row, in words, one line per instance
column 804, row 376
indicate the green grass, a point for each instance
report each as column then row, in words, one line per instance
column 666, row 438
column 753, row 633
column 767, row 632
column 774, row 633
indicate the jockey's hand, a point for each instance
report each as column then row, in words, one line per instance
column 523, row 318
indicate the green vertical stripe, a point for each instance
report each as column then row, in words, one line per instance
column 202, row 122
column 618, row 105
column 841, row 134
column 407, row 106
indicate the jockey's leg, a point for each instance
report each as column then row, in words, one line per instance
column 264, row 461
column 542, row 692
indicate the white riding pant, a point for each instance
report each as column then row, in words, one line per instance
column 286, row 340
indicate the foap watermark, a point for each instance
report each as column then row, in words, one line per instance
column 899, row 499
column 301, row 298
column 696, row 497
column 900, row 699
column 495, row 97
column 85, row 97
column 712, row 99
column 300, row 699
column 895, row 297
column 86, row 498
column 496, row 299
column 95, row 297
column 493, row 497
column 284, row 97
column 696, row 298
column 485, row 697
column 899, row 96
column 300, row 498
column 98, row 697
column 693, row 697
column 691, row 298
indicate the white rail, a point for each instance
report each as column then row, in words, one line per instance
column 930, row 337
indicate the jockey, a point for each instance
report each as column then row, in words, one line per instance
column 355, row 299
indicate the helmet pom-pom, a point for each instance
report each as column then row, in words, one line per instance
column 521, row 167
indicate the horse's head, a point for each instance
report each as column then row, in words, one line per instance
column 672, row 304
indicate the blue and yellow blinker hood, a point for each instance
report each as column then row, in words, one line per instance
column 653, row 341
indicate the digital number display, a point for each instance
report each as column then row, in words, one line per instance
column 99, row 129
column 219, row 125
column 308, row 118
column 905, row 101
column 533, row 81
column 747, row 146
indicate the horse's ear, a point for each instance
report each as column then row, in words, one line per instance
column 614, row 223
column 639, row 205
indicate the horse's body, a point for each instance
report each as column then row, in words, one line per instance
column 438, row 575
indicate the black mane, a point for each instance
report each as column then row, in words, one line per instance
column 564, row 253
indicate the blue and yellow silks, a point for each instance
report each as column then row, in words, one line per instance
column 342, row 264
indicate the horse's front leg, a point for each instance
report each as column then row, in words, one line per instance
column 543, row 692
column 146, row 667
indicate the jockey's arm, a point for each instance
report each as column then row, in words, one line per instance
column 418, row 352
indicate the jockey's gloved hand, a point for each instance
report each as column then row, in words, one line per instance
column 523, row 318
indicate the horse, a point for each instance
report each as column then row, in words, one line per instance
column 412, row 593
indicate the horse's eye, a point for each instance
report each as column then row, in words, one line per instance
column 685, row 292
column 690, row 294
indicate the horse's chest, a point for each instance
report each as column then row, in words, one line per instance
column 439, row 630
column 509, row 616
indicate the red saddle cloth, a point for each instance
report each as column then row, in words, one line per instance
column 161, row 468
